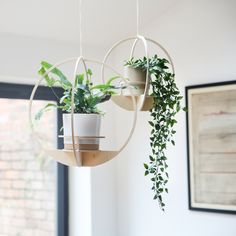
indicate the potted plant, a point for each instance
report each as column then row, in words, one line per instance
column 136, row 77
column 166, row 104
column 87, row 116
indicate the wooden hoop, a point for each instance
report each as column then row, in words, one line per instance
column 144, row 41
column 83, row 60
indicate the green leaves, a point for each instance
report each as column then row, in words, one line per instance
column 50, row 81
column 166, row 105
column 107, row 86
column 79, row 80
column 151, row 123
column 61, row 78
column 89, row 72
column 154, row 64
column 145, row 166
column 44, row 109
column 86, row 95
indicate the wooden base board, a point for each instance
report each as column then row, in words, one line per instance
column 81, row 146
column 87, row 158
column 125, row 102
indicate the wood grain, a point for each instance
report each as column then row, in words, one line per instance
column 213, row 147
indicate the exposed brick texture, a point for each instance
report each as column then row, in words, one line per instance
column 27, row 186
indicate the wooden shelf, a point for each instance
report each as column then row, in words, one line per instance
column 83, row 157
column 125, row 102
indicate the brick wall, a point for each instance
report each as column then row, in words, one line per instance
column 27, row 190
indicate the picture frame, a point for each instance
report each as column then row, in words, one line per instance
column 211, row 146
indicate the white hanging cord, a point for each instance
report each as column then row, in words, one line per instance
column 80, row 28
column 137, row 15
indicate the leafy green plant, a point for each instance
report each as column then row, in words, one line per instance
column 86, row 95
column 166, row 105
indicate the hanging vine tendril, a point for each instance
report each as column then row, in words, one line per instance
column 166, row 97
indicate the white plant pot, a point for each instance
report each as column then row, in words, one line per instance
column 137, row 79
column 85, row 125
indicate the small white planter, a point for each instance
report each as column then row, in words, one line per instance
column 85, row 125
column 137, row 78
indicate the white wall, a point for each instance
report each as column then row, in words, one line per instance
column 201, row 37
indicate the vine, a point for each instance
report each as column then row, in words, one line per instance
column 166, row 104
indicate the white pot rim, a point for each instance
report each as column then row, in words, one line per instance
column 135, row 68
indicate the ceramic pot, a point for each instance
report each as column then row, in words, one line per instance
column 137, row 79
column 85, row 125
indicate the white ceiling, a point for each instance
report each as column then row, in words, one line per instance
column 103, row 20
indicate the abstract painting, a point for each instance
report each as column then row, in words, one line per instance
column 211, row 138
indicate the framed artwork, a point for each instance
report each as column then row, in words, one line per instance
column 211, row 141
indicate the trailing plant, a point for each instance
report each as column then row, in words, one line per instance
column 166, row 104
column 86, row 95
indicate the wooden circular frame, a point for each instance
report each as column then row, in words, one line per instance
column 82, row 157
column 145, row 101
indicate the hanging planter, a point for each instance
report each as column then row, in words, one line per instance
column 87, row 117
column 157, row 93
column 82, row 118
column 136, row 79
column 81, row 144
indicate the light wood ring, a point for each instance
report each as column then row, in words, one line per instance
column 144, row 40
column 78, row 60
